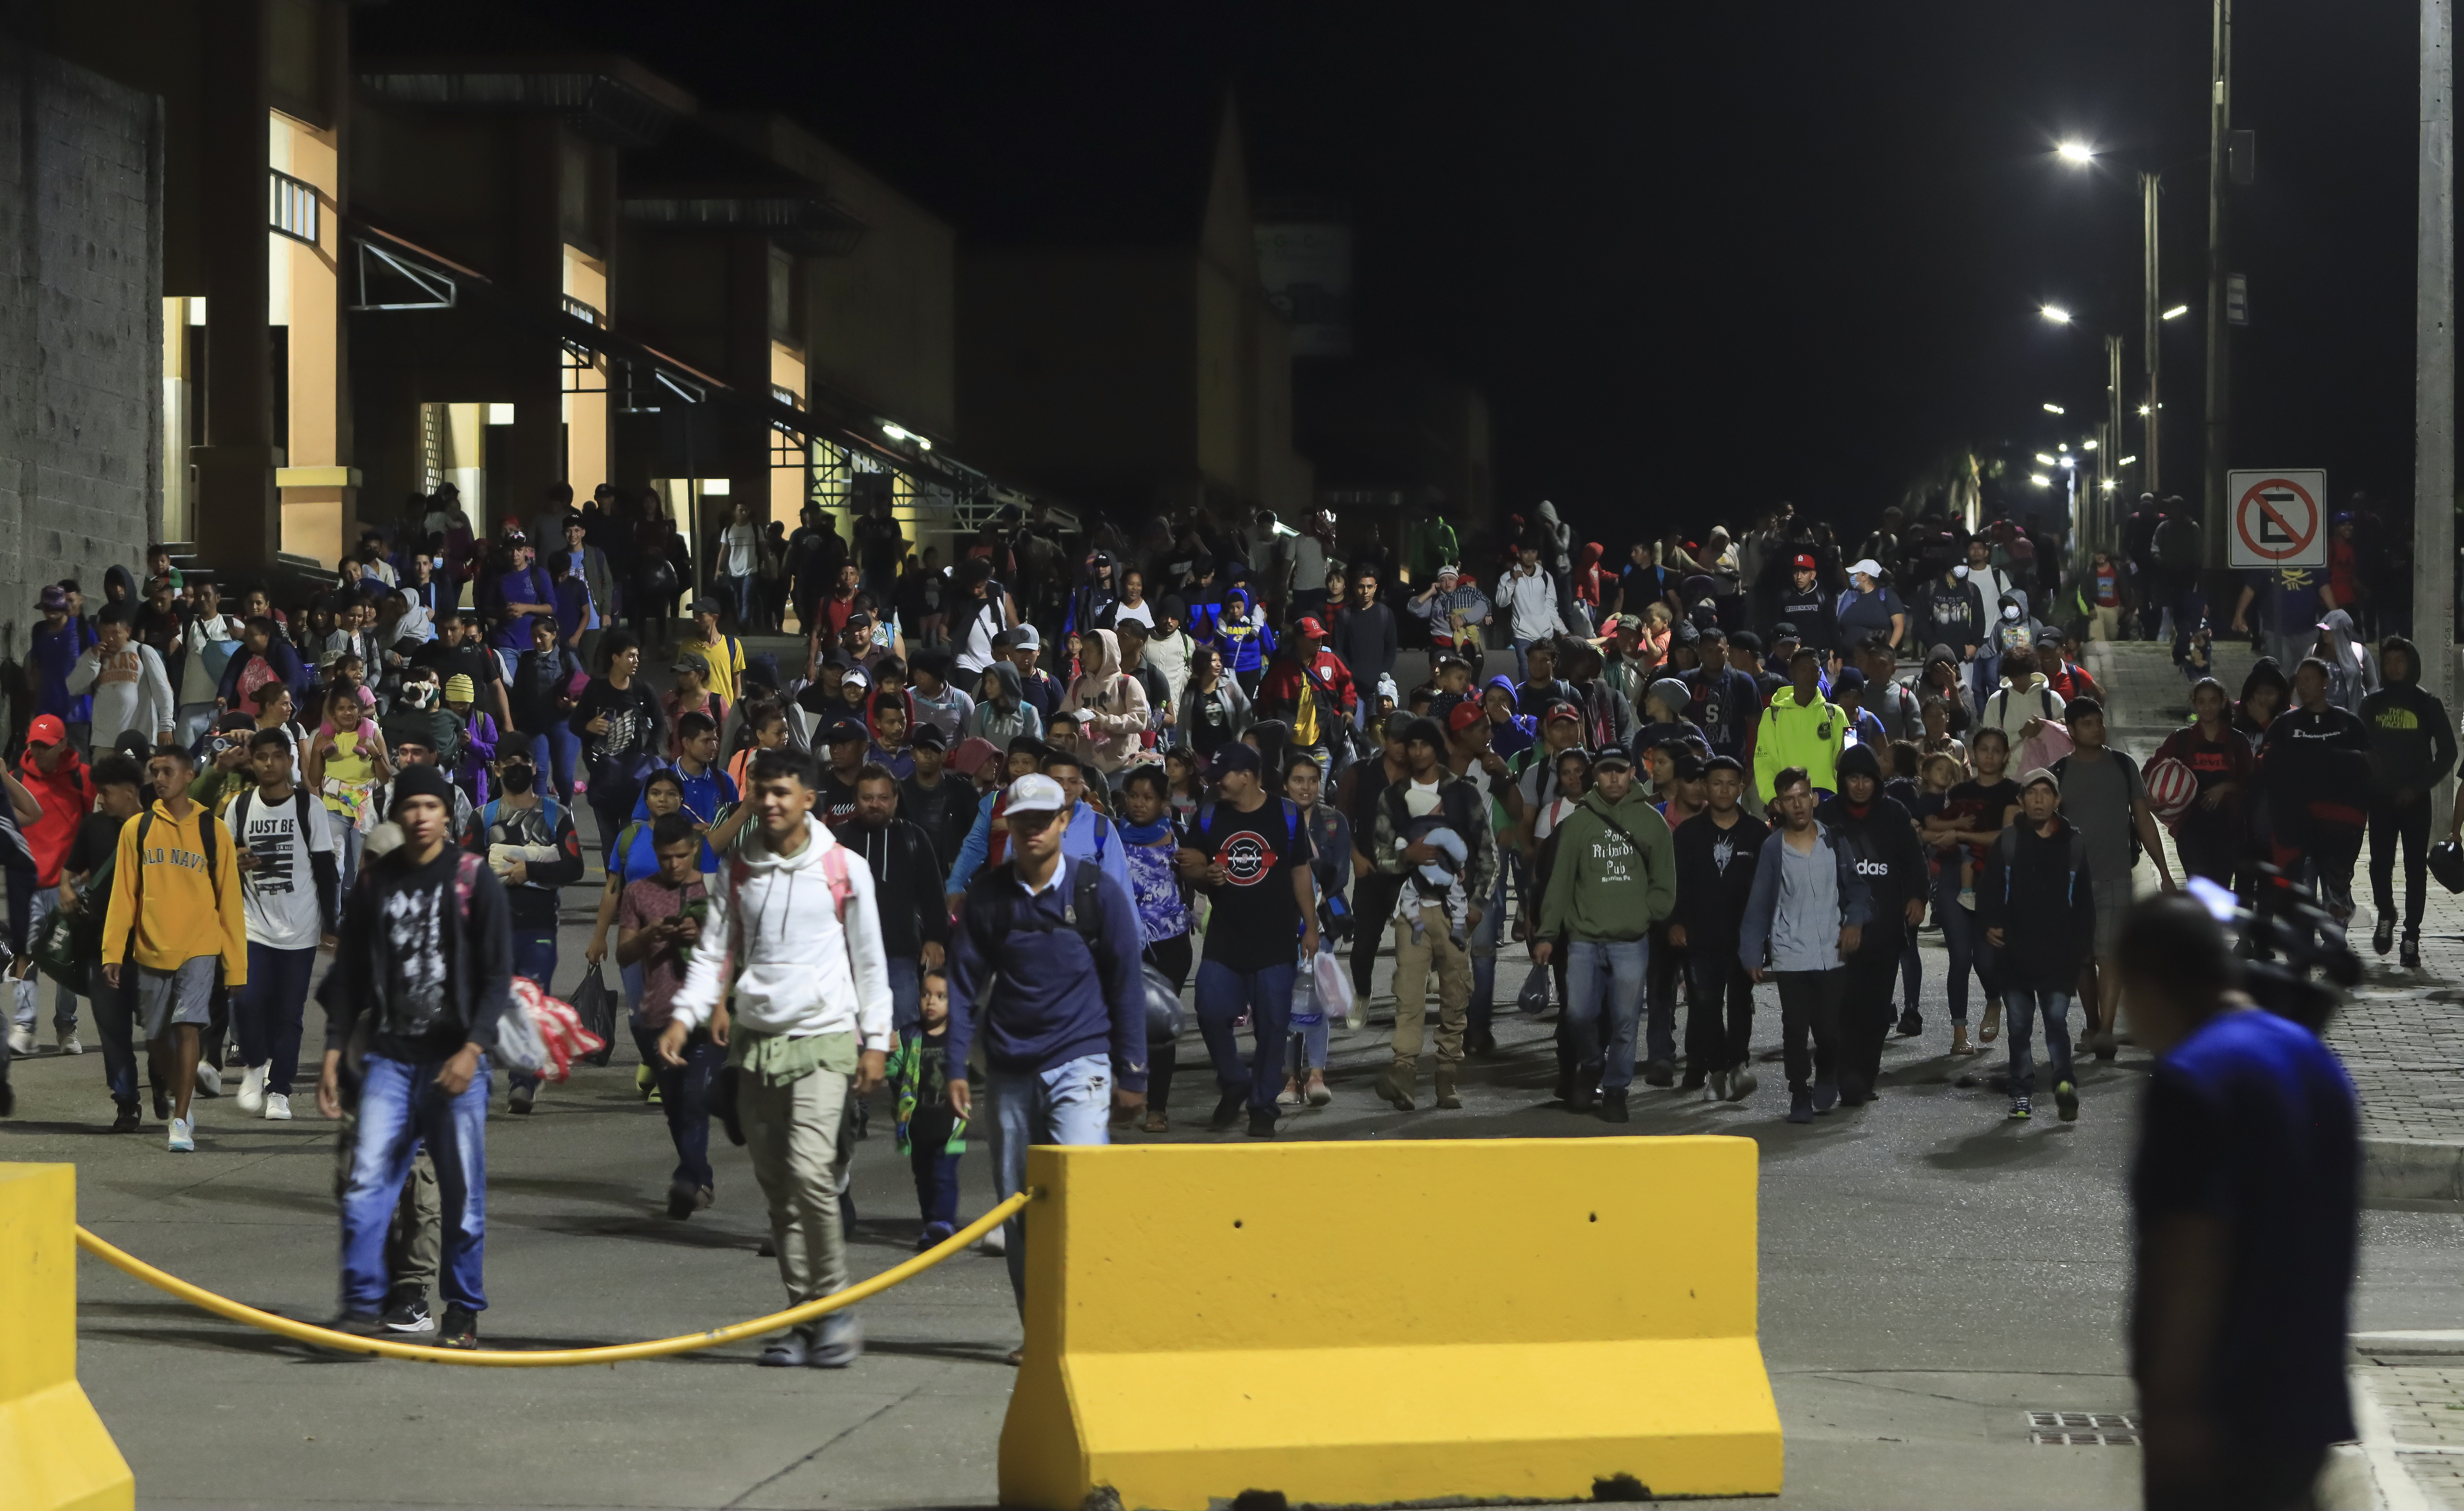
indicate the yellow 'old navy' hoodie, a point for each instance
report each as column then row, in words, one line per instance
column 186, row 913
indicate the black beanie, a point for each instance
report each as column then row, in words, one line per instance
column 421, row 781
column 1427, row 732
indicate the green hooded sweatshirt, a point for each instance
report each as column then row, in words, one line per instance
column 1600, row 890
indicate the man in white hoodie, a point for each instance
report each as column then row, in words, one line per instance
column 792, row 916
column 1528, row 600
column 131, row 690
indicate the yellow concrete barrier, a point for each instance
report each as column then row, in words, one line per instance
column 55, row 1452
column 1367, row 1322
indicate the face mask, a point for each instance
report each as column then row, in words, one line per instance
column 1960, row 572
column 2010, row 611
column 518, row 779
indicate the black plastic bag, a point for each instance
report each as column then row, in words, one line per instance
column 596, row 1006
column 2447, row 863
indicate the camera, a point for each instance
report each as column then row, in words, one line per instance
column 2295, row 962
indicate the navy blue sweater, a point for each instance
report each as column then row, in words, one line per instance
column 1055, row 1000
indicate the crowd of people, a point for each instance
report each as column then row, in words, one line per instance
column 1006, row 808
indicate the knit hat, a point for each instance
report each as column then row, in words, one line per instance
column 422, row 781
column 459, row 688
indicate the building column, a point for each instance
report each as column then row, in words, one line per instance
column 534, row 451
column 239, row 524
column 746, row 458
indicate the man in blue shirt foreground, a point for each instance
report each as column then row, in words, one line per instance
column 2245, row 1196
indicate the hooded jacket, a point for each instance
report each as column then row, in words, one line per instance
column 1963, row 713
column 2264, row 672
column 1881, row 842
column 1291, row 681
column 1238, row 715
column 1111, row 705
column 167, row 905
column 2011, row 707
column 2008, row 633
column 1761, row 903
column 1948, row 610
column 1003, row 720
column 906, row 882
column 66, row 796
column 1811, row 735
column 800, row 968
column 2039, row 891
column 1530, row 603
column 1242, row 635
column 1607, row 886
column 2413, row 744
column 2353, row 672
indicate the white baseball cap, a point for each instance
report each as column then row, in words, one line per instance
column 1869, row 566
column 1036, row 793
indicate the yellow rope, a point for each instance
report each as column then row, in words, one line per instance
column 655, row 1348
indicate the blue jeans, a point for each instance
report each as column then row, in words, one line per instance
column 684, row 1096
column 1069, row 1103
column 1522, row 662
column 115, row 1022
column 399, row 1108
column 1984, row 674
column 534, row 956
column 1267, row 994
column 1618, row 966
column 1964, row 938
column 2025, row 1004
column 267, row 1011
column 1483, row 945
column 906, row 994
column 555, row 755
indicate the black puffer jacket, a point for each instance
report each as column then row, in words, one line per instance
column 1880, row 839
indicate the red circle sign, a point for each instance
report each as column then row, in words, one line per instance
column 2267, row 528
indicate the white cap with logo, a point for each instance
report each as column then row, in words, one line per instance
column 1036, row 793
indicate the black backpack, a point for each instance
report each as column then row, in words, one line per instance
column 207, row 824
column 1084, row 910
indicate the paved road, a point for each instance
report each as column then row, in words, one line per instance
column 1929, row 1274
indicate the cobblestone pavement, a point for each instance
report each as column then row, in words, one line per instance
column 2401, row 1034
column 2410, row 1407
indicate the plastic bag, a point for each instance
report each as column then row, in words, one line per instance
column 541, row 1035
column 2447, row 863
column 596, row 1007
column 1306, row 1012
column 1334, row 987
column 1533, row 998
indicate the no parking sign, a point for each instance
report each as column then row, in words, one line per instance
column 2279, row 518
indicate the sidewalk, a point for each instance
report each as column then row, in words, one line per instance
column 2401, row 1034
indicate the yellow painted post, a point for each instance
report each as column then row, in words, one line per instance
column 1408, row 1320
column 56, row 1455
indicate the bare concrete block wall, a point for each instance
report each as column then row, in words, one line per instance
column 80, row 331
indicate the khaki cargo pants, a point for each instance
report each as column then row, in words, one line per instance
column 1412, row 958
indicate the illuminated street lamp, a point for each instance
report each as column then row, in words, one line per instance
column 2040, row 480
column 2054, row 408
column 2076, row 152
column 2176, row 312
column 2056, row 314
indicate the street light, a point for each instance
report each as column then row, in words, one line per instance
column 2056, row 314
column 2042, row 460
column 2088, row 445
column 2053, row 408
column 2040, row 480
column 2177, row 311
column 2125, row 461
column 2076, row 152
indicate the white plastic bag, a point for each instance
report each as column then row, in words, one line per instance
column 1335, row 988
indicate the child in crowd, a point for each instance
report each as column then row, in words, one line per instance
column 2194, row 652
column 937, row 702
column 1331, row 834
column 764, row 729
column 344, row 764
column 930, row 1135
column 472, row 763
column 1181, row 782
column 1938, row 739
column 691, row 695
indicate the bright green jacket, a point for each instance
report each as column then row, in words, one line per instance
column 1604, row 887
column 1812, row 737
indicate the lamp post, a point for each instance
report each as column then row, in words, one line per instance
column 2151, row 192
column 2433, row 422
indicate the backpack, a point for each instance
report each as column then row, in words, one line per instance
column 2006, row 850
column 207, row 824
column 487, row 816
column 2044, row 703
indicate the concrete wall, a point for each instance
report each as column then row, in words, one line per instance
column 81, row 329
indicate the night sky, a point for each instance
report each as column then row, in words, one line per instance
column 1700, row 258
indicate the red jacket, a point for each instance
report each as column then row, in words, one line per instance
column 1284, row 682
column 66, row 796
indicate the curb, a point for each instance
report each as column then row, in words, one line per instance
column 2412, row 1169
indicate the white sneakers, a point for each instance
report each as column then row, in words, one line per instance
column 252, row 1090
column 278, row 1107
column 67, row 1039
column 184, row 1135
column 209, row 1081
column 21, row 1042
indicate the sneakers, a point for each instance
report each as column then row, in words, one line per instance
column 645, row 1082
column 21, row 1043
column 524, row 1093
column 252, row 1090
column 1800, row 1106
column 2021, row 1110
column 1992, row 1028
column 1741, row 1085
column 127, row 1121
column 1716, row 1088
column 1289, row 1096
column 67, row 1041
column 278, row 1107
column 841, row 1343
column 934, row 1233
column 2066, row 1101
column 1262, row 1124
column 461, row 1329
column 357, row 1325
column 1911, row 1023
column 994, row 1242
column 1695, row 1077
column 1826, row 1095
column 184, row 1136
column 684, row 1198
column 162, row 1105
column 1394, row 1084
column 2411, row 958
column 2383, row 936
column 1613, row 1107
column 408, row 1313
column 1317, row 1092
column 1227, row 1112
column 1660, row 1073
column 1480, row 1042
column 210, row 1079
column 789, row 1351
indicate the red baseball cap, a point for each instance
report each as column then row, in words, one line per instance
column 1310, row 627
column 1562, row 711
column 46, row 730
column 1463, row 716
column 1803, row 562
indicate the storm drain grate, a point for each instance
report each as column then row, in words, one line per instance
column 2084, row 1429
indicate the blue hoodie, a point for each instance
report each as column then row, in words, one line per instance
column 1246, row 643
column 53, row 654
column 1051, row 999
